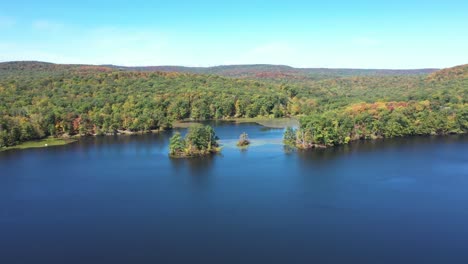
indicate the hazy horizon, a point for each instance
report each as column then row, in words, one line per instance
column 233, row 65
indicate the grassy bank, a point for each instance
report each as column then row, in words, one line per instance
column 263, row 121
column 270, row 122
column 183, row 124
column 43, row 143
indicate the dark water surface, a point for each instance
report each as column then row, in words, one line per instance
column 122, row 200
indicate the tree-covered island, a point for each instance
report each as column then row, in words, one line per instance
column 200, row 141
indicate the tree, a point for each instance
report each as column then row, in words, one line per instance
column 289, row 137
column 243, row 140
column 3, row 138
column 176, row 144
column 200, row 140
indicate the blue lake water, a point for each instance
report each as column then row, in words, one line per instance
column 122, row 200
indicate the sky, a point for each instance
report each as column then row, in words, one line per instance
column 328, row 33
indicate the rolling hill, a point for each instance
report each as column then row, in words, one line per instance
column 267, row 71
column 257, row 71
column 458, row 72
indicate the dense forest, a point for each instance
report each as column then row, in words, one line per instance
column 435, row 106
column 43, row 99
column 39, row 100
column 379, row 120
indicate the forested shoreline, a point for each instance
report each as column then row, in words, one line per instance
column 98, row 101
column 438, row 107
column 40, row 100
column 376, row 121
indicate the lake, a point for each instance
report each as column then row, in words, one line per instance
column 122, row 200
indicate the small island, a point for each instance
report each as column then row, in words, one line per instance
column 200, row 141
column 243, row 140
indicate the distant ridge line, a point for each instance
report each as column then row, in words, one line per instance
column 221, row 66
column 254, row 71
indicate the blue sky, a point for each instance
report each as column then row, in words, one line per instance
column 334, row 33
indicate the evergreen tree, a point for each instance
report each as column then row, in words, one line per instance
column 176, row 144
column 289, row 137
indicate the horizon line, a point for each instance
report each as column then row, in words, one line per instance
column 224, row 65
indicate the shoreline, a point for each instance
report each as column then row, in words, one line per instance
column 67, row 139
column 377, row 139
column 276, row 122
column 183, row 124
column 41, row 143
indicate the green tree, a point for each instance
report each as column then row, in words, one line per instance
column 201, row 138
column 289, row 137
column 176, row 144
column 243, row 140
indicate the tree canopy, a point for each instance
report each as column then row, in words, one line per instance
column 42, row 99
column 200, row 140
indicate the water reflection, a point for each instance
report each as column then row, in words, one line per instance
column 364, row 147
column 243, row 150
column 288, row 150
column 196, row 166
column 197, row 171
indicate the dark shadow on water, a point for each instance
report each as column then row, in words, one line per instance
column 322, row 157
column 199, row 166
column 243, row 150
column 288, row 150
column 199, row 171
